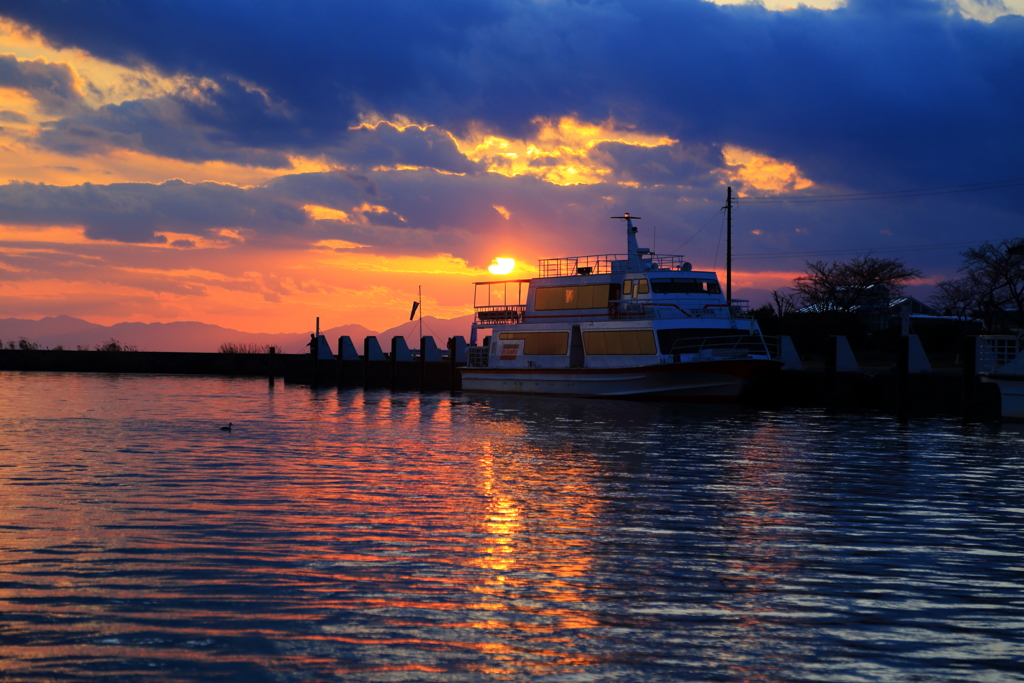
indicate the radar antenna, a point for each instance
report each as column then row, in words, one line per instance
column 632, row 250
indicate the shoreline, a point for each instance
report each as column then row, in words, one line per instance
column 943, row 392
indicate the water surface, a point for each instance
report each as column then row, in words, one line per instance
column 378, row 536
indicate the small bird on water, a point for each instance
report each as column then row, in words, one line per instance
column 226, row 429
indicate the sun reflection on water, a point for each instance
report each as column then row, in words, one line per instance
column 405, row 535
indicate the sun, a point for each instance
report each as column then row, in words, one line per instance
column 502, row 266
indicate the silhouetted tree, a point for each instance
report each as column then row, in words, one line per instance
column 842, row 286
column 232, row 347
column 115, row 346
column 996, row 274
column 960, row 297
column 784, row 302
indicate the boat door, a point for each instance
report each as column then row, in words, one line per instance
column 577, row 357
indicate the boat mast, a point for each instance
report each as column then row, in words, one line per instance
column 728, row 248
column 632, row 249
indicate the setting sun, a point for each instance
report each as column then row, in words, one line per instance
column 502, row 266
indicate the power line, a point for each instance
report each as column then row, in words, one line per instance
column 718, row 245
column 838, row 252
column 891, row 194
column 715, row 215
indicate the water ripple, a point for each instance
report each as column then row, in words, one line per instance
column 405, row 537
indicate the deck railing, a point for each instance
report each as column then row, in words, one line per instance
column 602, row 264
column 499, row 315
column 645, row 309
column 728, row 346
column 476, row 356
column 995, row 351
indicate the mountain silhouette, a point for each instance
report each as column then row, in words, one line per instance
column 71, row 333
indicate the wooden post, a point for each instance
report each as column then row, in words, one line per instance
column 340, row 374
column 423, row 358
column 903, row 378
column 315, row 350
column 831, row 376
column 969, row 355
column 270, row 364
column 394, row 361
column 366, row 362
column 453, row 369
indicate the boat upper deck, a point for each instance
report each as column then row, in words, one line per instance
column 637, row 285
column 604, row 264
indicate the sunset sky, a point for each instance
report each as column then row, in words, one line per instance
column 256, row 164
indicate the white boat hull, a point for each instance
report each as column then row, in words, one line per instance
column 1011, row 393
column 709, row 381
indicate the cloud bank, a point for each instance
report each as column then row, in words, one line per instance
column 396, row 129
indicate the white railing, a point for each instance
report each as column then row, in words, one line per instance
column 996, row 351
column 728, row 346
column 476, row 356
column 627, row 309
column 602, row 264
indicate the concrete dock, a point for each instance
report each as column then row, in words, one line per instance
column 834, row 385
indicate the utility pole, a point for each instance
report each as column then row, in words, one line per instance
column 728, row 249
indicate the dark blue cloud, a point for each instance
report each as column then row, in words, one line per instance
column 425, row 213
column 10, row 116
column 52, row 85
column 679, row 165
column 879, row 95
column 169, row 127
column 875, row 95
column 386, row 145
column 134, row 212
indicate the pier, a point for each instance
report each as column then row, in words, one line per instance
column 426, row 368
column 836, row 382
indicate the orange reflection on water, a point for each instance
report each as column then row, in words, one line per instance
column 480, row 512
column 758, row 565
column 367, row 521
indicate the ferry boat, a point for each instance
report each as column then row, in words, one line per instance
column 638, row 325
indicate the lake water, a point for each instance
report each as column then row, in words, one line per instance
column 377, row 536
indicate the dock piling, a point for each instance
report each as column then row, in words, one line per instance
column 270, row 364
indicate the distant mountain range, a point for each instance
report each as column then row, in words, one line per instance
column 71, row 333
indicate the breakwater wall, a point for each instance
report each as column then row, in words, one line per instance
column 948, row 393
column 954, row 392
column 428, row 369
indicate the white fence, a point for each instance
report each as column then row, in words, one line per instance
column 995, row 351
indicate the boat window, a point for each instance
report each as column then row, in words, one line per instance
column 643, row 286
column 627, row 289
column 619, row 342
column 571, row 298
column 540, row 343
column 585, row 297
column 684, row 285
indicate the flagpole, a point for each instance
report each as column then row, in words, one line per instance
column 420, row 287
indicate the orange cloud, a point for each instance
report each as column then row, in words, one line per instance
column 54, row 270
column 221, row 277
column 558, row 152
column 762, row 172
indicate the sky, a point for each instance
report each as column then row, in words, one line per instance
column 256, row 164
